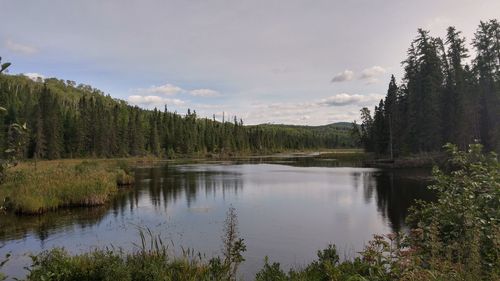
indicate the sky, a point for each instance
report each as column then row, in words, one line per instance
column 265, row 61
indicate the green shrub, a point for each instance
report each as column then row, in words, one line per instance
column 151, row 262
column 271, row 272
column 456, row 237
column 463, row 224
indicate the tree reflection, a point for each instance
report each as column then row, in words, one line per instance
column 394, row 192
column 167, row 184
column 17, row 227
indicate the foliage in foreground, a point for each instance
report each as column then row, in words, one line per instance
column 463, row 224
column 112, row 265
column 48, row 186
column 455, row 238
column 151, row 262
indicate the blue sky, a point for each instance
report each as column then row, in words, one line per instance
column 294, row 62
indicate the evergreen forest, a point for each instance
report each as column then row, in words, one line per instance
column 450, row 93
column 66, row 120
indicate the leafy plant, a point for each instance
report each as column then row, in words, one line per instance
column 3, row 66
column 271, row 272
column 16, row 139
column 464, row 221
column 233, row 245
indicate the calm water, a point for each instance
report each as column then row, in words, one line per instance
column 287, row 209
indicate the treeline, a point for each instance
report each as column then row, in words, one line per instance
column 445, row 96
column 68, row 120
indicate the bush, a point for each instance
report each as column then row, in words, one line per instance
column 463, row 224
column 271, row 272
column 455, row 238
column 151, row 262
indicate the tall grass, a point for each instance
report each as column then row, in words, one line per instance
column 455, row 238
column 27, row 190
column 152, row 261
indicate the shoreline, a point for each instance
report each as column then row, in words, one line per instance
column 34, row 188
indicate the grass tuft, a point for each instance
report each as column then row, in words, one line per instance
column 61, row 184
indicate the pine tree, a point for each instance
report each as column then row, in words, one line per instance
column 51, row 124
column 367, row 129
column 424, row 80
column 441, row 99
column 154, row 137
column 487, row 69
column 39, row 148
column 453, row 99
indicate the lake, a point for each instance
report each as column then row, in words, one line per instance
column 288, row 208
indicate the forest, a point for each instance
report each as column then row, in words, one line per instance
column 447, row 94
column 106, row 208
column 66, row 120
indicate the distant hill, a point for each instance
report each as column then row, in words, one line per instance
column 67, row 120
column 337, row 126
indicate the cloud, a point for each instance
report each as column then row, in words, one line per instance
column 204, row 93
column 167, row 89
column 220, row 43
column 371, row 74
column 314, row 112
column 154, row 101
column 34, row 76
column 348, row 99
column 170, row 90
column 20, row 48
column 346, row 75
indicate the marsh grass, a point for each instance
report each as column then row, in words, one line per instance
column 151, row 261
column 124, row 179
column 49, row 185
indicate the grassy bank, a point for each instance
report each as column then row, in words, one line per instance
column 34, row 188
column 457, row 237
column 37, row 187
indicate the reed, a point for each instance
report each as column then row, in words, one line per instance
column 152, row 260
column 30, row 189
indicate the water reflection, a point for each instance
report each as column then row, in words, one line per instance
column 287, row 210
column 395, row 192
column 165, row 185
column 42, row 227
